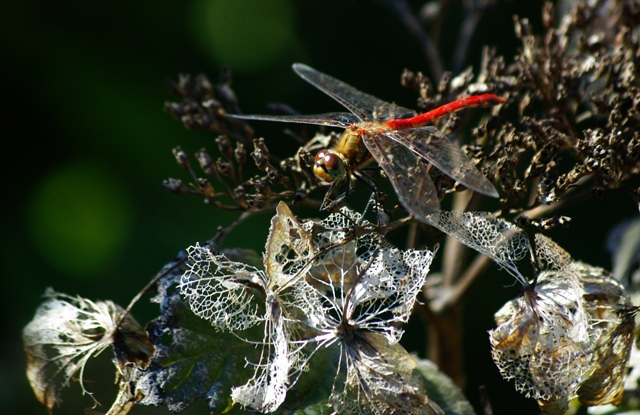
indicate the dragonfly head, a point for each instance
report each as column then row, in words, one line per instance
column 329, row 166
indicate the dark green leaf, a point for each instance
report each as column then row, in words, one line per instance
column 193, row 360
column 441, row 389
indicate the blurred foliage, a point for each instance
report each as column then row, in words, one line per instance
column 244, row 34
column 83, row 88
column 80, row 216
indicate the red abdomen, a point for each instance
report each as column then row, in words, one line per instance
column 484, row 100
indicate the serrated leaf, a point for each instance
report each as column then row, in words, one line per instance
column 441, row 389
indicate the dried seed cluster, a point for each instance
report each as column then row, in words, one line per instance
column 204, row 107
column 571, row 119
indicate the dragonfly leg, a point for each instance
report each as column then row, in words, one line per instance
column 330, row 200
column 379, row 198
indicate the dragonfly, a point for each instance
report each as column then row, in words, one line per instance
column 396, row 138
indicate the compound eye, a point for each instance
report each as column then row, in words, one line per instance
column 329, row 166
column 332, row 162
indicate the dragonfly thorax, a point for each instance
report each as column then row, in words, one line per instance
column 329, row 166
column 349, row 154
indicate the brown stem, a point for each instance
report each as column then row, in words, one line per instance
column 445, row 343
column 568, row 200
column 457, row 295
column 455, row 253
column 443, row 322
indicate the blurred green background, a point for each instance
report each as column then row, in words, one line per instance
column 87, row 144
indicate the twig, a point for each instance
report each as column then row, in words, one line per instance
column 569, row 199
column 467, row 29
column 455, row 253
column 456, row 296
column 401, row 9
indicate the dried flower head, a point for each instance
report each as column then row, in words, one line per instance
column 543, row 340
column 364, row 290
column 612, row 324
column 569, row 334
column 224, row 292
column 68, row 331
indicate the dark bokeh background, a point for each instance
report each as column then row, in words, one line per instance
column 87, row 145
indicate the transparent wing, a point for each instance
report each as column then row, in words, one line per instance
column 428, row 143
column 408, row 175
column 366, row 107
column 331, row 119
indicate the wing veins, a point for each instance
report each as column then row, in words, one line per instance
column 331, row 119
column 408, row 175
column 366, row 107
column 429, row 144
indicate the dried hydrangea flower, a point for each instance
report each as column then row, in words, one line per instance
column 364, row 290
column 543, row 339
column 68, row 331
column 612, row 322
column 223, row 292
